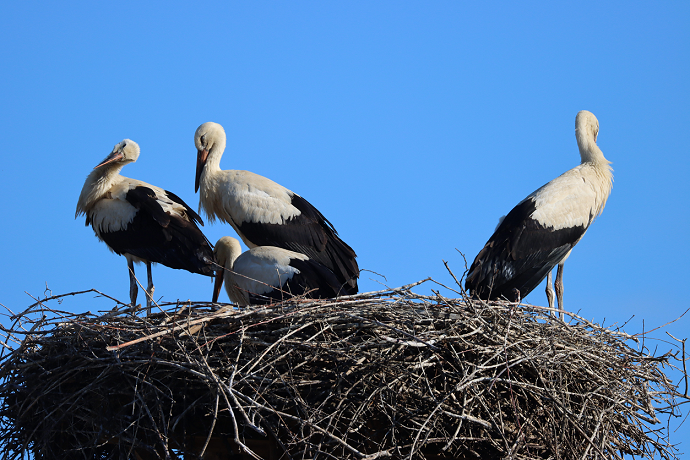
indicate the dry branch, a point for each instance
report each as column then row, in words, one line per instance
column 390, row 374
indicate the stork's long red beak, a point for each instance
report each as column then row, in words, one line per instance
column 114, row 156
column 218, row 284
column 201, row 157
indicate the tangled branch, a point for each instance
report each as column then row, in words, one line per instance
column 386, row 374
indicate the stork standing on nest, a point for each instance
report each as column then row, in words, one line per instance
column 541, row 231
column 265, row 274
column 141, row 221
column 264, row 213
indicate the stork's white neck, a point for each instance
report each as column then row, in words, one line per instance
column 233, row 254
column 227, row 251
column 586, row 132
column 97, row 184
column 215, row 153
column 209, row 199
column 589, row 150
column 601, row 176
column 212, row 166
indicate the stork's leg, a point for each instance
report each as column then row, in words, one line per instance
column 133, row 289
column 559, row 287
column 149, row 289
column 549, row 292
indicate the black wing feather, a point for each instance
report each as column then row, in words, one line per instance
column 314, row 278
column 193, row 216
column 519, row 255
column 157, row 236
column 311, row 234
column 144, row 199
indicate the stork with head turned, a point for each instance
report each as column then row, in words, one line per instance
column 541, row 231
column 264, row 213
column 142, row 222
column 267, row 274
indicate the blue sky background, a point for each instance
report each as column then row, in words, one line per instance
column 411, row 125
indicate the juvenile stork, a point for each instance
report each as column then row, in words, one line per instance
column 266, row 274
column 142, row 222
column 264, row 213
column 541, row 231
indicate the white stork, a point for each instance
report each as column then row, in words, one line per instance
column 265, row 274
column 264, row 213
column 541, row 231
column 142, row 222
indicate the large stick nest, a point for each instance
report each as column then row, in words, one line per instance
column 387, row 374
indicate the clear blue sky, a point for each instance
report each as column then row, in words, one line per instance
column 411, row 125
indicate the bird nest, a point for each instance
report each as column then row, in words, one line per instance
column 384, row 374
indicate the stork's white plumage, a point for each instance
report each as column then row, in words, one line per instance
column 541, row 231
column 265, row 274
column 141, row 221
column 264, row 213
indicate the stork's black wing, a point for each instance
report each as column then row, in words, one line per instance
column 519, row 255
column 158, row 236
column 311, row 234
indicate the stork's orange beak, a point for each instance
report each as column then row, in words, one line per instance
column 201, row 157
column 218, row 284
column 114, row 156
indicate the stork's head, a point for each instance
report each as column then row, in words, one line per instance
column 209, row 136
column 586, row 125
column 124, row 152
column 227, row 249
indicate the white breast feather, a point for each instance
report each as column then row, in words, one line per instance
column 111, row 215
column 113, row 212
